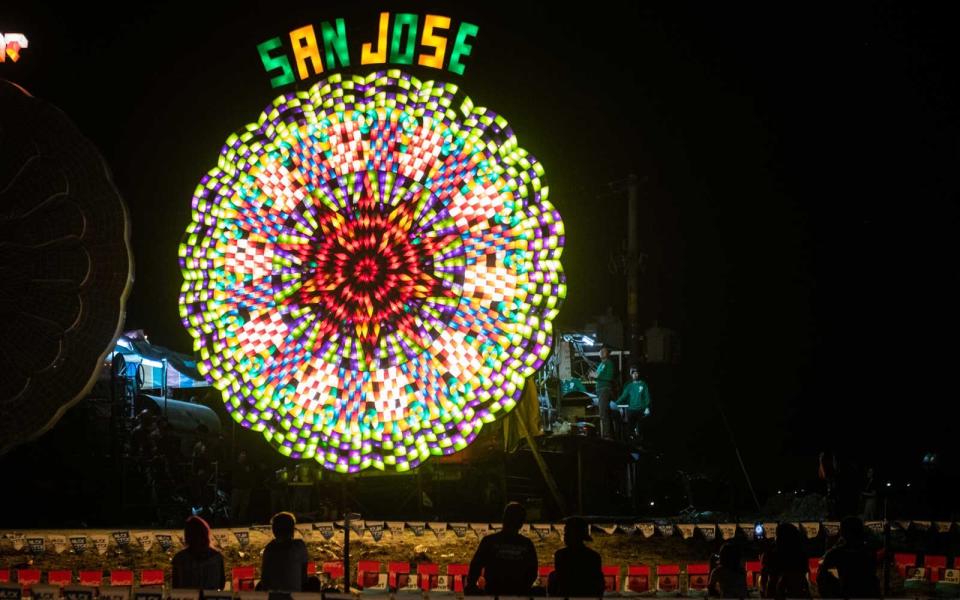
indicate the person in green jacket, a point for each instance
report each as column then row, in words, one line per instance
column 636, row 395
column 607, row 377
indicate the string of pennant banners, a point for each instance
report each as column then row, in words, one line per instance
column 38, row 543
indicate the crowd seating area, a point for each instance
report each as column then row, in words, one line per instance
column 924, row 574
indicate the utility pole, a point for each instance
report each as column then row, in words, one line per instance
column 633, row 266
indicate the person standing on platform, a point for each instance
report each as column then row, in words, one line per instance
column 636, row 395
column 243, row 480
column 506, row 560
column 607, row 377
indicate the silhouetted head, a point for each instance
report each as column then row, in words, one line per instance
column 283, row 524
column 604, row 353
column 729, row 556
column 788, row 536
column 514, row 514
column 575, row 531
column 196, row 534
column 851, row 530
column 634, row 373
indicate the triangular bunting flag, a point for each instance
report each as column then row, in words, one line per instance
column 78, row 543
column 647, row 529
column 747, row 529
column 811, row 529
column 395, row 527
column 770, row 530
column 417, row 528
column 943, row 526
column 607, row 528
column 18, row 541
column 121, row 538
column 165, row 541
column 356, row 526
column 904, row 525
column 59, row 542
column 665, row 529
column 243, row 537
column 145, row 539
column 686, row 530
column 36, row 544
column 495, row 527
column 709, row 532
column 459, row 529
column 728, row 531
column 922, row 525
column 325, row 529
column 831, row 528
column 376, row 530
column 525, row 529
column 438, row 529
column 874, row 526
column 100, row 542
column 481, row 529
column 628, row 528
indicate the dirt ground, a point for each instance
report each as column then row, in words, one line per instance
column 617, row 549
column 448, row 548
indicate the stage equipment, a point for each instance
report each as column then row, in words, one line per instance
column 65, row 263
column 371, row 271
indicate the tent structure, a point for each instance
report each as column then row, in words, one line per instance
column 155, row 367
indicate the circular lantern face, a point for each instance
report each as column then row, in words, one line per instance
column 65, row 262
column 371, row 271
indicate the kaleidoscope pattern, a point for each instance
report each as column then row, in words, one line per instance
column 371, row 271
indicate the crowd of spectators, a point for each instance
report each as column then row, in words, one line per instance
column 505, row 563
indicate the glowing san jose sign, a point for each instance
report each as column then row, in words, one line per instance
column 402, row 39
column 372, row 268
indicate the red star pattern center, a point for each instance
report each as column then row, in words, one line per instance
column 367, row 272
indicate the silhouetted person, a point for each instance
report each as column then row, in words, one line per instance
column 198, row 566
column 829, row 474
column 243, row 480
column 506, row 560
column 849, row 569
column 607, row 378
column 783, row 571
column 728, row 579
column 636, row 395
column 870, row 495
column 284, row 566
column 577, row 571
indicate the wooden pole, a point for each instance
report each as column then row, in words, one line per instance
column 346, row 539
column 542, row 464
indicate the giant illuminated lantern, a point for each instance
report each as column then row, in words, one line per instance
column 371, row 271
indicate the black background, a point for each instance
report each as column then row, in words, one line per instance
column 799, row 210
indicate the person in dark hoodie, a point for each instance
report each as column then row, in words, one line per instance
column 849, row 569
column 506, row 560
column 198, row 566
column 728, row 579
column 284, row 567
column 577, row 569
column 784, row 568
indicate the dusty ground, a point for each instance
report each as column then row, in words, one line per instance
column 617, row 549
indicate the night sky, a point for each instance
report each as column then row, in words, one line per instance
column 799, row 204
